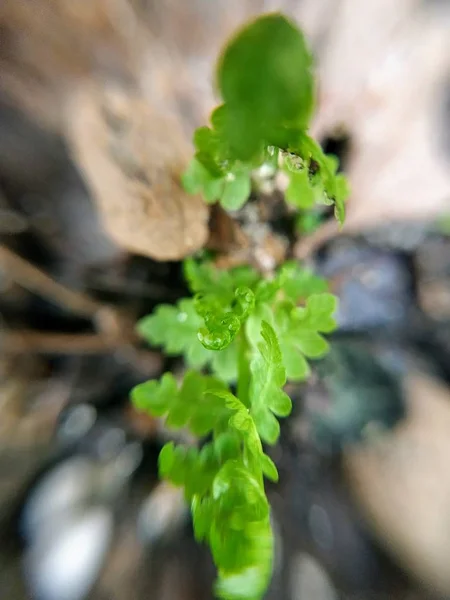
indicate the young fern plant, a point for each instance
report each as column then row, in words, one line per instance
column 243, row 336
column 251, row 334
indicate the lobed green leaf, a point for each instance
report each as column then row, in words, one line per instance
column 265, row 77
column 175, row 328
column 193, row 405
column 266, row 394
column 298, row 330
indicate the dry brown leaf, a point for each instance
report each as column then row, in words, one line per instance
column 132, row 159
column 383, row 75
column 402, row 484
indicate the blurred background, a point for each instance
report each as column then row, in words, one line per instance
column 98, row 102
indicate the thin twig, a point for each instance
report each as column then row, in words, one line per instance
column 35, row 280
column 115, row 328
column 309, row 244
column 19, row 342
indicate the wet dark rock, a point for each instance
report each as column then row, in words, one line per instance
column 375, row 287
column 398, row 236
column 432, row 264
column 363, row 395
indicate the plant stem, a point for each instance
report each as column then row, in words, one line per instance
column 243, row 384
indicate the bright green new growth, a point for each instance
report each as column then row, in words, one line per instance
column 265, row 77
column 223, row 480
column 253, row 323
column 225, row 302
column 243, row 336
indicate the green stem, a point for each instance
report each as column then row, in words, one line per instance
column 243, row 385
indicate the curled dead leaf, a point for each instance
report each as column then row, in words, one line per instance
column 132, row 158
column 383, row 75
column 402, row 485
